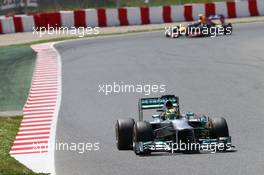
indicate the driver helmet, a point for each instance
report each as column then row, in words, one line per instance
column 168, row 104
column 200, row 16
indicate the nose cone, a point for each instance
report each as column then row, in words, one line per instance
column 181, row 124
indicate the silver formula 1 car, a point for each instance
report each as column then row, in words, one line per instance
column 187, row 133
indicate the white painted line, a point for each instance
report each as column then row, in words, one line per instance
column 37, row 115
column 32, row 127
column 44, row 95
column 33, row 124
column 32, row 136
column 46, row 82
column 27, row 153
column 41, row 104
column 37, row 119
column 43, row 101
column 40, row 111
column 38, row 107
column 33, row 132
column 28, row 141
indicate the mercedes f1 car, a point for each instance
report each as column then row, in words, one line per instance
column 187, row 133
column 214, row 25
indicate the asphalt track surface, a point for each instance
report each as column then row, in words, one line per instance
column 222, row 76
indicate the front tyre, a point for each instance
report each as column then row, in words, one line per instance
column 176, row 32
column 142, row 133
column 124, row 133
column 219, row 127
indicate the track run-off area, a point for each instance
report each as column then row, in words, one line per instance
column 220, row 77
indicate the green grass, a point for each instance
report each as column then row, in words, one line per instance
column 16, row 68
column 162, row 2
column 8, row 165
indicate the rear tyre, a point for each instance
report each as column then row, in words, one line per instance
column 124, row 134
column 142, row 133
column 228, row 29
column 219, row 127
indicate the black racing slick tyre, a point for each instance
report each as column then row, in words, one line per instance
column 219, row 127
column 124, row 134
column 142, row 133
column 228, row 29
column 176, row 32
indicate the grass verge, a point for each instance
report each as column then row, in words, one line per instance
column 16, row 69
column 8, row 165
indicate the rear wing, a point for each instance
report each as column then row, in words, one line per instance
column 156, row 103
column 216, row 17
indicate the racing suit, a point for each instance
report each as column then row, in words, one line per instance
column 170, row 113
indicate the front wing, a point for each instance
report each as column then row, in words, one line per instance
column 207, row 145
